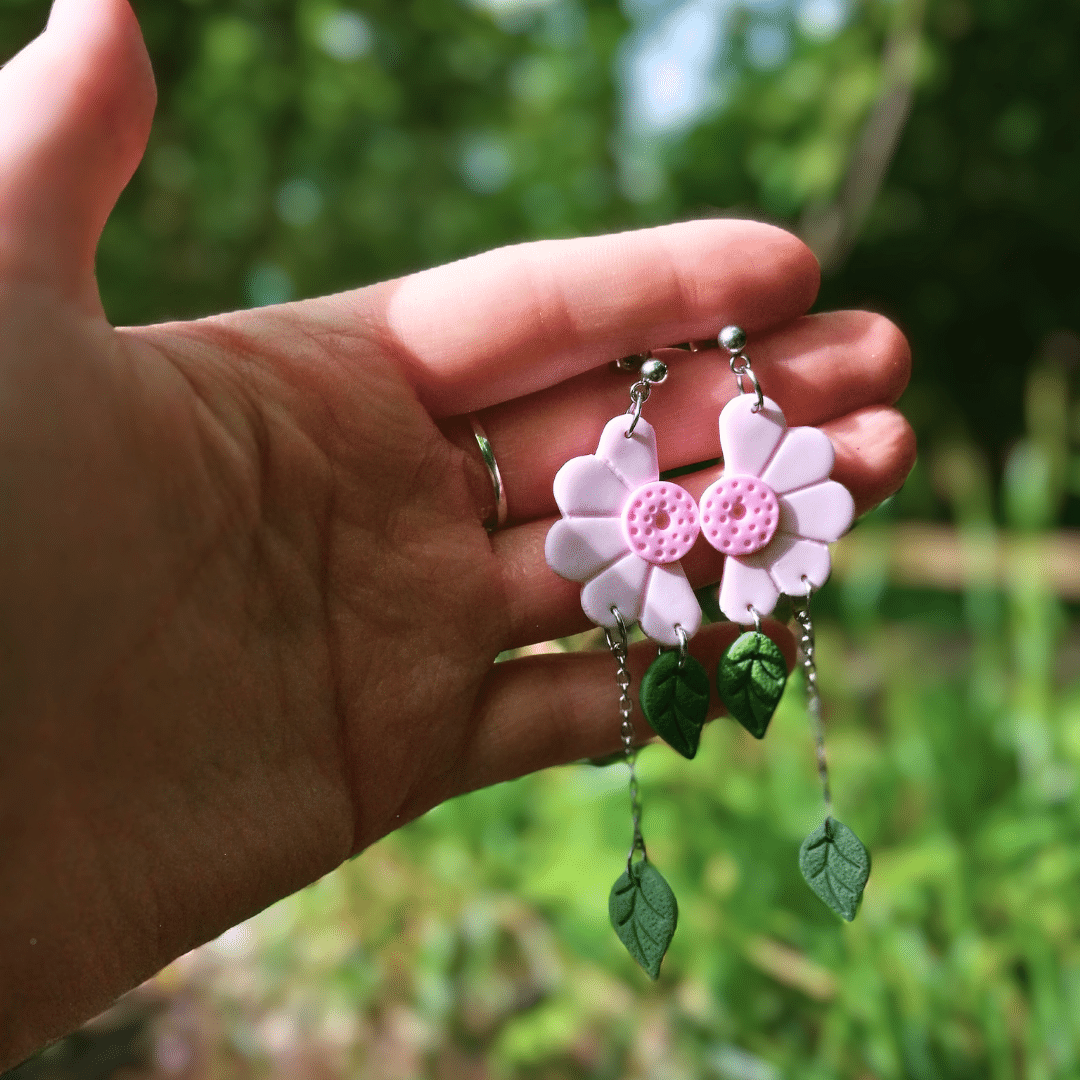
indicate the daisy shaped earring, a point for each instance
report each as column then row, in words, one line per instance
column 773, row 513
column 622, row 534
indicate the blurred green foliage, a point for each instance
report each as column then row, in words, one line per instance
column 972, row 242
column 304, row 146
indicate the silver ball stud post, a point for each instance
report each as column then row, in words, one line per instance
column 732, row 338
column 654, row 371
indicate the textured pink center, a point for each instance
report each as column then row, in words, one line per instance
column 739, row 514
column 660, row 522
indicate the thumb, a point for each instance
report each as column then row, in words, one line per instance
column 77, row 104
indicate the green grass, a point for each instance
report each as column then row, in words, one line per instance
column 479, row 934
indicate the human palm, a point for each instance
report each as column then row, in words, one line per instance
column 249, row 608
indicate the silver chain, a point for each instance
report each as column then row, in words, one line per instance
column 617, row 643
column 813, row 694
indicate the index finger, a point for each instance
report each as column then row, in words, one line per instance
column 515, row 320
column 495, row 326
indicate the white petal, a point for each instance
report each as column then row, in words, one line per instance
column 744, row 587
column 670, row 602
column 789, row 560
column 621, row 585
column 586, row 486
column 579, row 548
column 805, row 456
column 634, row 459
column 822, row 512
column 748, row 438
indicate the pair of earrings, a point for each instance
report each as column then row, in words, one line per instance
column 623, row 533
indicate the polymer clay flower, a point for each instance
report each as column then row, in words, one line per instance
column 774, row 511
column 623, row 532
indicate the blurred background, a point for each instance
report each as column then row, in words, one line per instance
column 927, row 150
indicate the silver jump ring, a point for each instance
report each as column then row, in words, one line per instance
column 683, row 645
column 620, row 623
column 498, row 516
column 740, row 366
column 639, row 394
column 749, row 371
column 757, row 618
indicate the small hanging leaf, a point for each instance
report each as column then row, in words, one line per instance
column 751, row 680
column 676, row 702
column 644, row 913
column 836, row 866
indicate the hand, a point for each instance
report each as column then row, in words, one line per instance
column 248, row 610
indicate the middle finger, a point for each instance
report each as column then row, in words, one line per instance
column 816, row 368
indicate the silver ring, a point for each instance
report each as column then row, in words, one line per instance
column 498, row 518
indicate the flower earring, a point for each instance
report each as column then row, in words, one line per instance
column 622, row 533
column 773, row 514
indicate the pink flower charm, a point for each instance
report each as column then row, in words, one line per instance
column 623, row 532
column 774, row 511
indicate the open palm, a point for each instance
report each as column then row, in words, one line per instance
column 248, row 609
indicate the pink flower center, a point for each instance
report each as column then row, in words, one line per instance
column 660, row 522
column 739, row 514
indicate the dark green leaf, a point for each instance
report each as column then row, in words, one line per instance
column 676, row 702
column 836, row 866
column 644, row 913
column 751, row 680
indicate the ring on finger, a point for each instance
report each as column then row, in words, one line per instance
column 498, row 516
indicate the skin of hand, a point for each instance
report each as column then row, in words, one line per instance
column 248, row 611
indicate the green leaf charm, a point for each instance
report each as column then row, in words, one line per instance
column 644, row 913
column 836, row 866
column 751, row 680
column 676, row 702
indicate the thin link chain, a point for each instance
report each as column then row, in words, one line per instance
column 617, row 644
column 639, row 394
column 813, row 694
